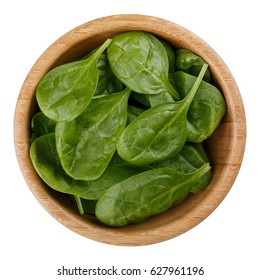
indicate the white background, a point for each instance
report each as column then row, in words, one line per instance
column 33, row 245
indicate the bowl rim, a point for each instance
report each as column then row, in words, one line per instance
column 60, row 51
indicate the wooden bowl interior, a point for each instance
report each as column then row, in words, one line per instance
column 225, row 146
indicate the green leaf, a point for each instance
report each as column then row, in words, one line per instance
column 206, row 110
column 107, row 82
column 170, row 55
column 139, row 60
column 191, row 157
column 41, row 125
column 162, row 97
column 86, row 144
column 116, row 171
column 190, row 63
column 159, row 132
column 144, row 195
column 46, row 162
column 65, row 91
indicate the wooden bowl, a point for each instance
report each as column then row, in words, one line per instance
column 226, row 146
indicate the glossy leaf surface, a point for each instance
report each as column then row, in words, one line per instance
column 107, row 81
column 116, row 171
column 139, row 60
column 191, row 157
column 190, row 63
column 207, row 107
column 65, row 91
column 46, row 162
column 41, row 125
column 144, row 195
column 170, row 55
column 86, row 144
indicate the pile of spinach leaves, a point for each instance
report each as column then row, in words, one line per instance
column 121, row 131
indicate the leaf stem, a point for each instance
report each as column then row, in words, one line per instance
column 101, row 49
column 79, row 204
column 196, row 85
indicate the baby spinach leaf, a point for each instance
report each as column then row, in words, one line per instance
column 191, row 157
column 41, row 125
column 190, row 63
column 159, row 132
column 150, row 100
column 46, row 162
column 139, row 60
column 86, row 144
column 107, row 82
column 65, row 91
column 116, row 171
column 144, row 195
column 162, row 97
column 170, row 54
column 207, row 107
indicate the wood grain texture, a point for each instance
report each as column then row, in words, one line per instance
column 226, row 146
